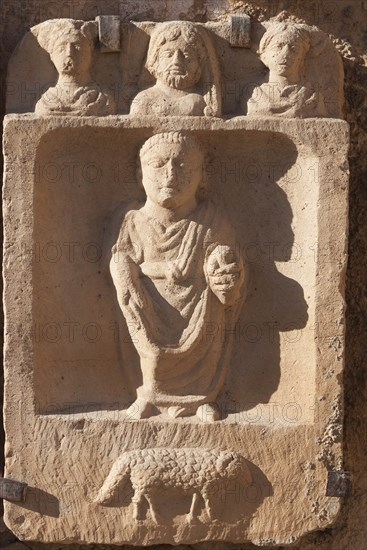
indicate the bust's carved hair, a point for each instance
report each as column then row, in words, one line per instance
column 199, row 39
column 181, row 138
column 49, row 33
column 169, row 32
column 296, row 33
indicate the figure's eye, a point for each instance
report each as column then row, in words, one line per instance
column 156, row 163
column 168, row 53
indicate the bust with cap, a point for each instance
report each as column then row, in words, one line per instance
column 70, row 44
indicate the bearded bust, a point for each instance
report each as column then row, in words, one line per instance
column 183, row 62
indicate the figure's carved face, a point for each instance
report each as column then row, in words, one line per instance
column 284, row 54
column 178, row 64
column 172, row 174
column 72, row 56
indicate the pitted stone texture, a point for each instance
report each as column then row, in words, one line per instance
column 176, row 68
column 78, row 373
column 177, row 269
column 304, row 71
column 344, row 21
column 70, row 45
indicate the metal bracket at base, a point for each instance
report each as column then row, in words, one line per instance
column 12, row 490
column 338, row 484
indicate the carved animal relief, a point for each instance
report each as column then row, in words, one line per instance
column 175, row 205
column 153, row 472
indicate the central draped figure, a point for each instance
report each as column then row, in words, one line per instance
column 179, row 282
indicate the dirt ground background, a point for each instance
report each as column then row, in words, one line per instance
column 346, row 22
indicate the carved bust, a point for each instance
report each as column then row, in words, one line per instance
column 183, row 61
column 70, row 45
column 176, row 270
column 288, row 93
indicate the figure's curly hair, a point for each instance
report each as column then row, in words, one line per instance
column 170, row 31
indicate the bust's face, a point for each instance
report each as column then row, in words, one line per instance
column 71, row 56
column 178, row 64
column 172, row 174
column 284, row 54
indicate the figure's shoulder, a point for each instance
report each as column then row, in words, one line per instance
column 134, row 221
column 259, row 99
column 261, row 91
column 48, row 102
column 131, row 212
column 143, row 102
column 126, row 225
column 147, row 93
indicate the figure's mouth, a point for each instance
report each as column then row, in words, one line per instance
column 68, row 65
column 176, row 71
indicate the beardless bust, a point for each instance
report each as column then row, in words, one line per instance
column 175, row 269
column 70, row 45
column 283, row 49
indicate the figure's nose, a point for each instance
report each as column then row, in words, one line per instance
column 177, row 56
column 68, row 50
column 287, row 50
column 170, row 170
column 170, row 167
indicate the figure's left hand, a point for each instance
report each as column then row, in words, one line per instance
column 225, row 274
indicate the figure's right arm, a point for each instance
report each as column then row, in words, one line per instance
column 125, row 275
column 125, row 271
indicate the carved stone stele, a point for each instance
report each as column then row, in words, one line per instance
column 69, row 352
column 176, row 68
column 70, row 45
column 174, row 332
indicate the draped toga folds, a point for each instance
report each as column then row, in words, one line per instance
column 179, row 327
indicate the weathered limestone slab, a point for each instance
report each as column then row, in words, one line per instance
column 228, row 67
column 102, row 468
column 174, row 281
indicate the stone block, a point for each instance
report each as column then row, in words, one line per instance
column 72, row 366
